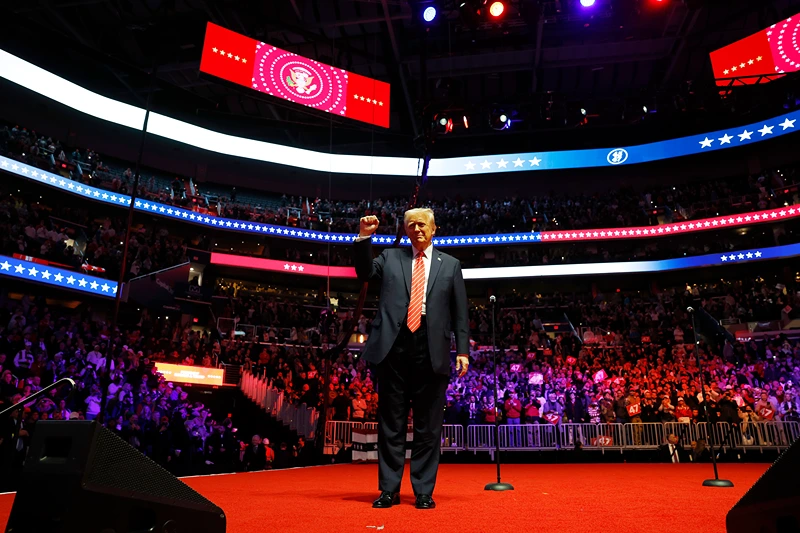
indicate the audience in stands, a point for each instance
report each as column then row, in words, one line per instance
column 454, row 216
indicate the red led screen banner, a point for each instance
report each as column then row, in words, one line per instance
column 191, row 374
column 769, row 53
column 265, row 68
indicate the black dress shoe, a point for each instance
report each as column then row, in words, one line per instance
column 386, row 500
column 425, row 502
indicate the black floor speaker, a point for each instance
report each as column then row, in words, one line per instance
column 81, row 478
column 772, row 505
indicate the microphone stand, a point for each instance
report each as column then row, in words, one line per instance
column 35, row 396
column 716, row 482
column 499, row 486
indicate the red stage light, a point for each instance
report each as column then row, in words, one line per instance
column 496, row 9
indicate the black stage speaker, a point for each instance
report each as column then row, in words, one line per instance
column 81, row 478
column 772, row 505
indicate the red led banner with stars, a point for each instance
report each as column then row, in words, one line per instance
column 270, row 70
column 760, row 57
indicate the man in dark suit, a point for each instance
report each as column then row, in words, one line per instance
column 422, row 299
column 255, row 456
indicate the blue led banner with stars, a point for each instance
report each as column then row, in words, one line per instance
column 58, row 277
column 606, row 157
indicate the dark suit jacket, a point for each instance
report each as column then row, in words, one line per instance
column 446, row 302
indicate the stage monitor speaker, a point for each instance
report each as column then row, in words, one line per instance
column 80, row 477
column 772, row 505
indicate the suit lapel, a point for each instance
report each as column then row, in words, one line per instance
column 436, row 262
column 408, row 257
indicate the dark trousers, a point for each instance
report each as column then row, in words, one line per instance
column 406, row 380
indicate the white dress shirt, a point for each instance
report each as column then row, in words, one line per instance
column 426, row 260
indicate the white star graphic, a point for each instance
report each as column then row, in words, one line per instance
column 759, row 58
column 706, row 143
column 502, row 163
column 19, row 269
column 749, row 255
column 58, row 277
column 286, row 266
column 757, row 254
column 94, row 285
column 243, row 61
column 486, row 164
column 725, row 139
column 766, row 130
column 5, row 265
column 518, row 162
column 71, row 280
column 745, row 135
column 46, row 274
column 535, row 161
column 470, row 166
column 726, row 72
column 724, row 257
column 236, row 58
column 82, row 282
column 215, row 49
column 294, row 267
column 750, row 62
column 230, row 55
column 788, row 124
column 741, row 65
column 222, row 52
column 105, row 287
column 32, row 271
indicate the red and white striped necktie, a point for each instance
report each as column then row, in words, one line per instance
column 417, row 292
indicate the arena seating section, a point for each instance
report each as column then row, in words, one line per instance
column 629, row 379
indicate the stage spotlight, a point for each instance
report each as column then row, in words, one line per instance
column 429, row 14
column 587, row 3
column 644, row 108
column 583, row 112
column 442, row 124
column 466, row 122
column 496, row 9
column 499, row 120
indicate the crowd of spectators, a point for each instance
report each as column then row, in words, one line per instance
column 40, row 344
column 618, row 207
column 77, row 238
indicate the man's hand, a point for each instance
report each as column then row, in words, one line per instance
column 369, row 225
column 462, row 365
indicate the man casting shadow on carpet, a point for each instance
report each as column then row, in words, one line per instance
column 422, row 299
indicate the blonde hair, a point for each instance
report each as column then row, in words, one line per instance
column 418, row 211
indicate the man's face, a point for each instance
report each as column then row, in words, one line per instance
column 420, row 229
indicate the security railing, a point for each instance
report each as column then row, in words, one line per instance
column 300, row 418
column 761, row 436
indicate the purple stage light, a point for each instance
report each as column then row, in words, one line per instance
column 587, row 3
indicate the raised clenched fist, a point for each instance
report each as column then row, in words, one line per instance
column 369, row 225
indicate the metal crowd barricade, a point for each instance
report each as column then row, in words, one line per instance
column 528, row 437
column 336, row 430
column 480, row 437
column 687, row 433
column 453, row 438
column 644, row 436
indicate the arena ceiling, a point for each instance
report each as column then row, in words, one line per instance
column 542, row 63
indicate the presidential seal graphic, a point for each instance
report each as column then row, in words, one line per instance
column 301, row 80
column 617, row 156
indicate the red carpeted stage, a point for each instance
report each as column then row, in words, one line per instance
column 558, row 498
